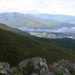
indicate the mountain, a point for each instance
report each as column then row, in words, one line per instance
column 58, row 18
column 28, row 21
column 63, row 42
column 36, row 23
column 7, row 16
column 15, row 47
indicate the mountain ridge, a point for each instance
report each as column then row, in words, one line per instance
column 12, row 19
column 56, row 17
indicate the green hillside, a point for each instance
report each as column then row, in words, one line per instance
column 14, row 47
column 32, row 22
column 63, row 42
column 18, row 31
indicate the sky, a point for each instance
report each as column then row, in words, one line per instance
column 62, row 7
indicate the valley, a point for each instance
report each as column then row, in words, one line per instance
column 54, row 35
column 59, row 33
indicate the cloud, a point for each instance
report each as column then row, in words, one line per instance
column 67, row 0
column 65, row 7
column 19, row 5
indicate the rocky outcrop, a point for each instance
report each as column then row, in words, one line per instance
column 38, row 66
column 60, row 69
column 63, row 66
column 14, row 69
column 34, row 66
column 70, row 65
column 4, row 69
column 5, row 65
column 66, row 74
column 22, row 65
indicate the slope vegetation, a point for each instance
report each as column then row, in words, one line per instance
column 15, row 48
column 18, row 31
column 64, row 42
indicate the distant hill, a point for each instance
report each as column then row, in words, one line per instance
column 25, row 20
column 58, row 18
column 15, row 47
column 7, row 16
column 35, row 23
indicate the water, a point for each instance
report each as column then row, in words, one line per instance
column 64, row 29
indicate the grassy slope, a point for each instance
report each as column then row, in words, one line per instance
column 64, row 42
column 15, row 48
column 18, row 31
column 32, row 22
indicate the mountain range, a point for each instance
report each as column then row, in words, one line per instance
column 57, row 18
column 28, row 21
column 6, row 16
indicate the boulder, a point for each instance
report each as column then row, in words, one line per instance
column 60, row 69
column 14, row 68
column 5, row 65
column 34, row 66
column 4, row 69
column 22, row 65
column 9, row 72
column 66, row 74
column 34, row 74
column 47, row 73
column 63, row 66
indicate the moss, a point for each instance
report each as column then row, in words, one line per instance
column 17, row 72
column 71, row 71
column 50, row 69
column 58, row 73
